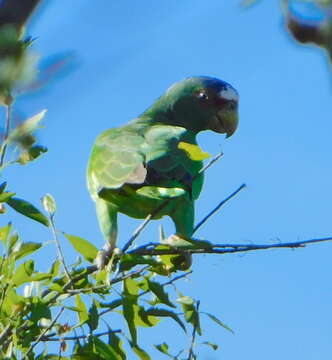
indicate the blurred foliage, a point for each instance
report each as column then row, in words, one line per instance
column 304, row 30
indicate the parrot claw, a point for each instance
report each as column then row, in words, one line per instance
column 105, row 255
column 183, row 261
column 101, row 259
column 176, row 240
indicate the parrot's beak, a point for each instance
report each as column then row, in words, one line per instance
column 230, row 122
column 226, row 122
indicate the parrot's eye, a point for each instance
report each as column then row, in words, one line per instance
column 202, row 95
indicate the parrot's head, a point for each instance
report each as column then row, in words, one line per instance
column 202, row 103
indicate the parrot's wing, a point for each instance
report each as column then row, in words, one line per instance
column 152, row 158
column 167, row 163
column 116, row 159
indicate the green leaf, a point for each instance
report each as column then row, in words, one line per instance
column 3, row 187
column 163, row 348
column 49, row 204
column 84, row 247
column 212, row 345
column 40, row 310
column 55, row 268
column 93, row 317
column 4, row 232
column 26, row 128
column 104, row 350
column 12, row 242
column 23, row 273
column 166, row 313
column 31, row 154
column 142, row 318
column 191, row 314
column 160, row 293
column 185, row 300
column 129, row 315
column 116, row 344
column 25, row 208
column 220, row 323
column 140, row 352
column 41, row 277
column 82, row 312
column 5, row 196
column 194, row 151
column 26, row 249
column 130, row 287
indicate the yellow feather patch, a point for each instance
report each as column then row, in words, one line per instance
column 194, row 151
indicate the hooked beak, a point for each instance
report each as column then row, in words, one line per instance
column 229, row 121
column 225, row 122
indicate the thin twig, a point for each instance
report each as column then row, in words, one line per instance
column 57, row 242
column 193, row 336
column 5, row 332
column 143, row 225
column 38, row 340
column 210, row 163
column 88, row 270
column 218, row 207
column 7, row 129
column 50, row 338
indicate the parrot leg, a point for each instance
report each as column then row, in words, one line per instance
column 183, row 217
column 107, row 215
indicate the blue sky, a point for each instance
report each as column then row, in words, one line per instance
column 128, row 53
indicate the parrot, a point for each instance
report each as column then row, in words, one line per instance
column 149, row 162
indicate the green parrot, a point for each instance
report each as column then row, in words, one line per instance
column 135, row 168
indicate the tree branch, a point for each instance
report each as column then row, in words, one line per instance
column 50, row 338
column 150, row 249
column 218, row 207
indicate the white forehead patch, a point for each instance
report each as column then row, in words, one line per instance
column 229, row 93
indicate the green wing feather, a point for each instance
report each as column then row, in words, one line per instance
column 115, row 160
column 126, row 155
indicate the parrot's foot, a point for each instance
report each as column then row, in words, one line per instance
column 104, row 255
column 177, row 240
column 183, row 261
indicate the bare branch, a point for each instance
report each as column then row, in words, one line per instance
column 143, row 225
column 58, row 246
column 218, row 207
column 223, row 248
column 210, row 163
column 65, row 338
